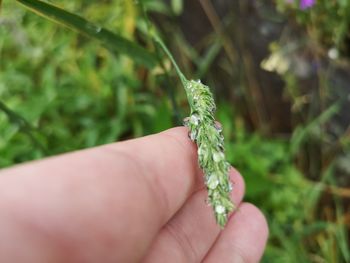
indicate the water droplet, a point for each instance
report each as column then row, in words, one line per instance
column 230, row 187
column 218, row 156
column 193, row 135
column 218, row 126
column 220, row 209
column 186, row 121
column 92, row 27
column 212, row 182
column 195, row 119
column 201, row 150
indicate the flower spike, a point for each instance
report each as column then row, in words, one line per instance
column 207, row 134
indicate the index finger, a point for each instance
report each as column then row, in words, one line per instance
column 105, row 202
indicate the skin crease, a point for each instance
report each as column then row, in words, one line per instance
column 141, row 200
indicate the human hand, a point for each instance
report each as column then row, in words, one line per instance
column 141, row 200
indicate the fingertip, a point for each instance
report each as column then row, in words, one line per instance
column 238, row 185
column 243, row 239
column 248, row 232
column 256, row 218
column 180, row 132
column 178, row 136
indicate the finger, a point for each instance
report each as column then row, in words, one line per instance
column 188, row 236
column 244, row 238
column 100, row 205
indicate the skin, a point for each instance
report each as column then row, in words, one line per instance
column 141, row 200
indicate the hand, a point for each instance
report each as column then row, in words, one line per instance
column 141, row 200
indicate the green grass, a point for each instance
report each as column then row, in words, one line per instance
column 61, row 91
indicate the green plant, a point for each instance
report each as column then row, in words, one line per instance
column 208, row 138
column 327, row 21
column 77, row 93
column 72, row 87
column 210, row 141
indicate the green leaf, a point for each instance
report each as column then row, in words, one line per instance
column 112, row 41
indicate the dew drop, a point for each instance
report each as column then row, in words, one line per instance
column 194, row 119
column 212, row 182
column 193, row 135
column 186, row 121
column 218, row 126
column 220, row 209
column 201, row 150
column 230, row 187
column 218, row 156
column 92, row 27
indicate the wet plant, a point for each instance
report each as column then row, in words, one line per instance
column 201, row 123
column 207, row 134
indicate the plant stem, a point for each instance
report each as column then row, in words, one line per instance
column 170, row 90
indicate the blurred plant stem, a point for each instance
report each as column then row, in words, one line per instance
column 170, row 90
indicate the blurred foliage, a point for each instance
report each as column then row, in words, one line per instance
column 61, row 91
column 327, row 21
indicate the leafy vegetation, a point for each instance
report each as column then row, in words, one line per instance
column 61, row 90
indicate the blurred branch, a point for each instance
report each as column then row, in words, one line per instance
column 23, row 125
column 339, row 191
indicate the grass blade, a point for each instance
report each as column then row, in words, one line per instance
column 23, row 125
column 112, row 41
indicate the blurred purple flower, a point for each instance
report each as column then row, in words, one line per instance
column 305, row 4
